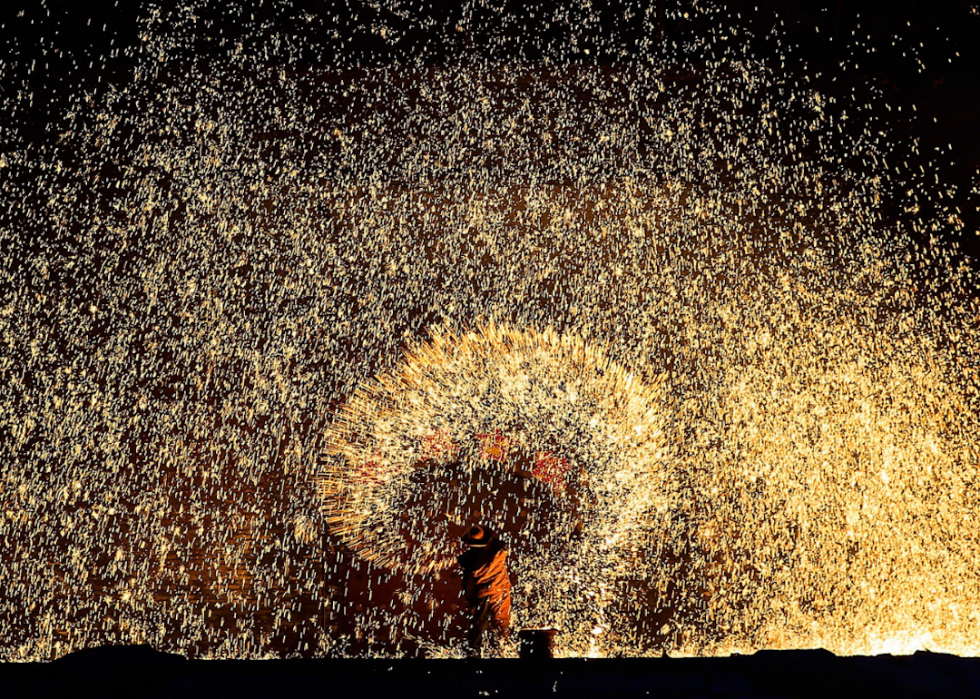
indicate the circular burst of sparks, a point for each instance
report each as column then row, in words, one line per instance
column 590, row 424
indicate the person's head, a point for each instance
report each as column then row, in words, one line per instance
column 478, row 536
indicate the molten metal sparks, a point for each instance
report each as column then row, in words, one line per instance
column 682, row 320
column 512, row 391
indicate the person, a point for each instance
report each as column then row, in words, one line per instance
column 486, row 588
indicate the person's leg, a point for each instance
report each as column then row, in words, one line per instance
column 499, row 623
column 478, row 627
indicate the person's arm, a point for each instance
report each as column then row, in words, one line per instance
column 469, row 587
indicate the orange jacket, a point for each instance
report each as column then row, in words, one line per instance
column 485, row 577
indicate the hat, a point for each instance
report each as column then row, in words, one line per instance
column 478, row 536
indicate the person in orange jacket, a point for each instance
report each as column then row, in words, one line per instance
column 486, row 587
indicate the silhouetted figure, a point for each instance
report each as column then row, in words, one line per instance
column 486, row 587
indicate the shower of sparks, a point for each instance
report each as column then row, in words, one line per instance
column 537, row 393
column 513, row 392
column 668, row 282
